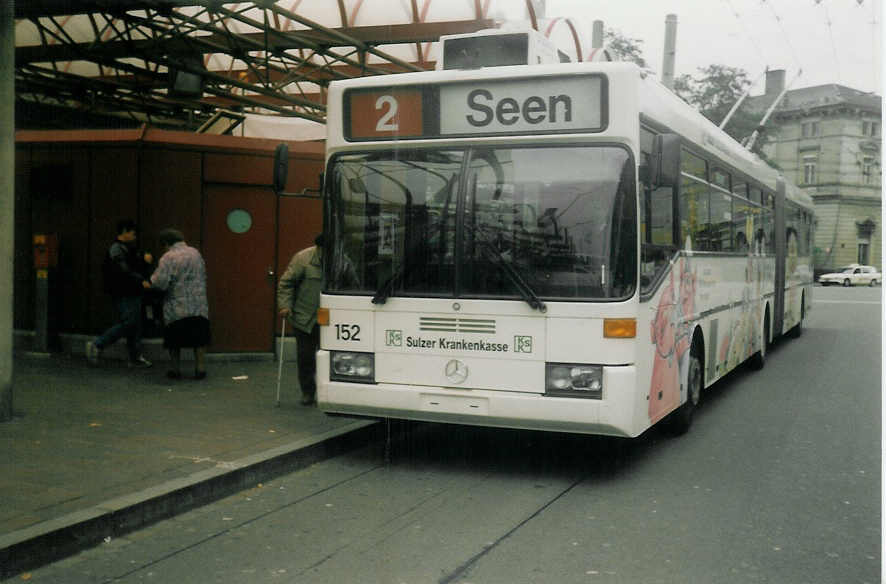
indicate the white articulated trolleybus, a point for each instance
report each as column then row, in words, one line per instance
column 555, row 246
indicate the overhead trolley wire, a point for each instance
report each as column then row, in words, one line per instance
column 829, row 23
column 784, row 33
column 875, row 46
column 746, row 31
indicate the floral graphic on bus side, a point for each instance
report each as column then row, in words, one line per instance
column 670, row 335
column 743, row 338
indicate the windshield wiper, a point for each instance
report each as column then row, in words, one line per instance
column 387, row 288
column 526, row 291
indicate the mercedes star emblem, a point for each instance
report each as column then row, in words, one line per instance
column 456, row 371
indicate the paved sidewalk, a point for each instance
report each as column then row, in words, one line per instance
column 96, row 452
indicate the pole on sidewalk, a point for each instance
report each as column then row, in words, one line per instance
column 7, row 202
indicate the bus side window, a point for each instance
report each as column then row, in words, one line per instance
column 741, row 242
column 656, row 229
column 760, row 240
column 658, row 234
column 694, row 214
column 695, row 220
column 744, row 222
column 770, row 222
column 762, row 235
column 720, row 232
column 796, row 221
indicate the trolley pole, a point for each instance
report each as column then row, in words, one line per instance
column 7, row 201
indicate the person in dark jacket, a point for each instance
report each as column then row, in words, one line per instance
column 125, row 270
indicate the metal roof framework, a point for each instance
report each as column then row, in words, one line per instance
column 122, row 57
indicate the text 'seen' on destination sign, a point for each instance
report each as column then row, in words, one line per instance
column 515, row 107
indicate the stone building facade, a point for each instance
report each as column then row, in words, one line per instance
column 827, row 139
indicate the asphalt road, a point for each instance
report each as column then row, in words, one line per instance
column 778, row 481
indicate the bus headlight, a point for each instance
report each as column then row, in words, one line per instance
column 574, row 380
column 348, row 366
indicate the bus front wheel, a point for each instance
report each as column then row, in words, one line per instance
column 681, row 419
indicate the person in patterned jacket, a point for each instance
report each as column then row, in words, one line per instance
column 181, row 273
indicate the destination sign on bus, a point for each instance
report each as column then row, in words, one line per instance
column 570, row 104
column 524, row 106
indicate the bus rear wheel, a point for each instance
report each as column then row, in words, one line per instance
column 798, row 328
column 758, row 359
column 681, row 419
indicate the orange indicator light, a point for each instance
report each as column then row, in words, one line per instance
column 323, row 316
column 620, row 328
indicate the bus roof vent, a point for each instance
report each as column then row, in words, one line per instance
column 496, row 48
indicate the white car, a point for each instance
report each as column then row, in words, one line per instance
column 852, row 275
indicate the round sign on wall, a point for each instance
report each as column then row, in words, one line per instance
column 239, row 221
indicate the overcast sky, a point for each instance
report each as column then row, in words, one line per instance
column 832, row 41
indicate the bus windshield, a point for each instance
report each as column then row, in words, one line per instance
column 555, row 223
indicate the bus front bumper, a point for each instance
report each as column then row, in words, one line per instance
column 613, row 415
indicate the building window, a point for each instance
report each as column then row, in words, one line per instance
column 809, row 129
column 867, row 170
column 809, row 166
column 864, row 252
column 871, row 129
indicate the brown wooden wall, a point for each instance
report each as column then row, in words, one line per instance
column 80, row 188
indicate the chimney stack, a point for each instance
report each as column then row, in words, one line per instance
column 775, row 81
column 597, row 35
column 670, row 51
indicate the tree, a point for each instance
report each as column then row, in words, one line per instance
column 623, row 48
column 713, row 91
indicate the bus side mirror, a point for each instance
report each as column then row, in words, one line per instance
column 664, row 164
column 281, row 167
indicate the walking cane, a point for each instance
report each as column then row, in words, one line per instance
column 280, row 366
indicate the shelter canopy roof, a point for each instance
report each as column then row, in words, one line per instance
column 174, row 63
